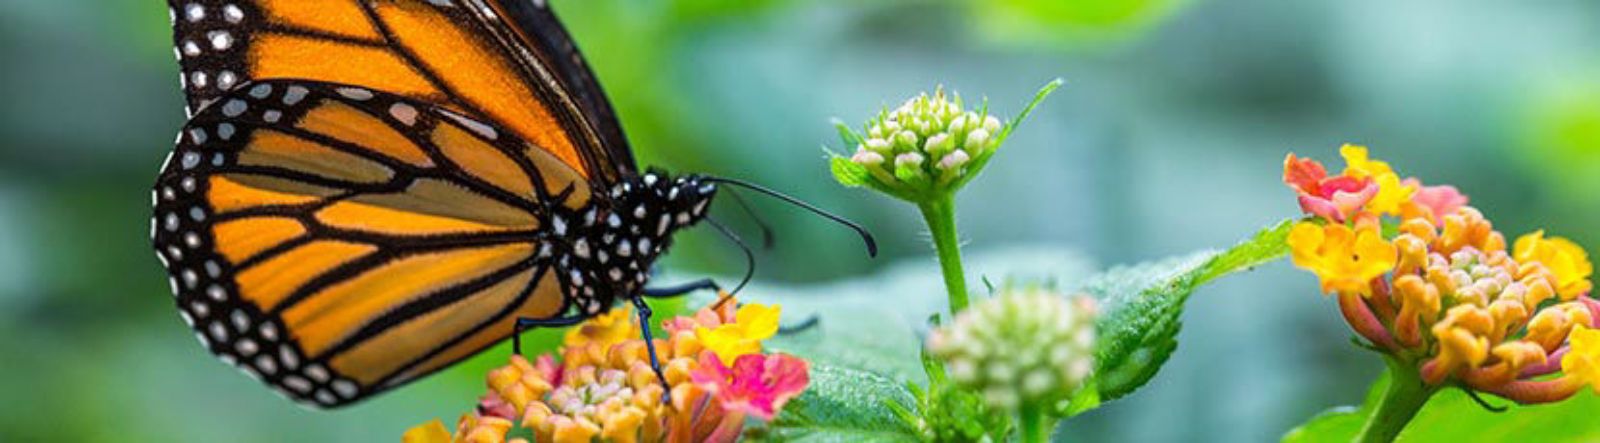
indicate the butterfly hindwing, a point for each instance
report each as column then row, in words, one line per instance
column 336, row 241
column 459, row 54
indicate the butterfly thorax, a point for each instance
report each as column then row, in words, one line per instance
column 605, row 250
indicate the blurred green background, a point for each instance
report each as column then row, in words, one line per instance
column 1167, row 138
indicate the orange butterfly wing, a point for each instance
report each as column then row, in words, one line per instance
column 459, row 54
column 336, row 241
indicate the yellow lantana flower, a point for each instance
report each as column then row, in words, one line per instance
column 1392, row 193
column 430, row 432
column 752, row 324
column 614, row 326
column 1344, row 259
column 1562, row 257
column 1583, row 360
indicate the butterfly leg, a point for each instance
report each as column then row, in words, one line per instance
column 650, row 346
column 686, row 288
column 811, row 321
column 683, row 289
column 524, row 323
column 707, row 284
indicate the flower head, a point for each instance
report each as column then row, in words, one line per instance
column 1583, row 360
column 603, row 387
column 612, row 327
column 1433, row 202
column 757, row 384
column 928, row 146
column 1345, row 259
column 1337, row 198
column 1567, row 261
column 1441, row 291
column 1392, row 192
column 743, row 336
column 1023, row 347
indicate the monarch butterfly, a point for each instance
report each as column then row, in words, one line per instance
column 368, row 191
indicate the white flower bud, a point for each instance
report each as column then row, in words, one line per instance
column 1000, row 398
column 877, row 145
column 908, row 160
column 867, row 158
column 1037, row 382
column 939, row 143
column 954, row 160
column 958, row 125
column 964, row 371
column 991, row 124
column 905, row 141
column 977, row 140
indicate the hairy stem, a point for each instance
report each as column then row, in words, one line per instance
column 1036, row 425
column 1401, row 400
column 940, row 214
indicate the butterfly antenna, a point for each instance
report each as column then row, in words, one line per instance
column 872, row 245
column 749, row 257
column 766, row 229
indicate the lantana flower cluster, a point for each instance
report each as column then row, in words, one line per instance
column 1424, row 277
column 600, row 386
column 928, row 142
column 1023, row 347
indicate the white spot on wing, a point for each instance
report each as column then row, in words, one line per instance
column 261, row 91
column 227, row 79
column 194, row 12
column 220, row 40
column 234, row 107
column 358, row 94
column 482, row 129
column 404, row 113
column 294, row 95
column 232, row 13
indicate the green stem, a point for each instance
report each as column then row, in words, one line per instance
column 1402, row 399
column 1036, row 425
column 940, row 214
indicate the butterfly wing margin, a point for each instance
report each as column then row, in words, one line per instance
column 336, row 242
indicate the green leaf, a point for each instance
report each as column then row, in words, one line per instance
column 1453, row 416
column 1037, row 98
column 843, row 405
column 846, row 135
column 1141, row 305
column 847, row 172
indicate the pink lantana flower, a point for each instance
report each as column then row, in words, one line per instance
column 1439, row 201
column 723, row 311
column 1336, row 198
column 757, row 384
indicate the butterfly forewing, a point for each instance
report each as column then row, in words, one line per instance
column 335, row 241
column 537, row 27
column 459, row 54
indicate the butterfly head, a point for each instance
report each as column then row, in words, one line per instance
column 618, row 242
column 656, row 204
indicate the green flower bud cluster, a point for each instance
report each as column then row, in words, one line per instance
column 927, row 148
column 1025, row 347
column 927, row 143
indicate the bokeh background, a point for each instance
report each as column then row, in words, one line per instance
column 1167, row 138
